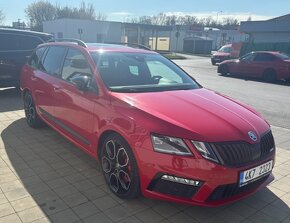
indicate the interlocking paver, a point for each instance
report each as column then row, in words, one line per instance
column 13, row 218
column 180, row 218
column 85, row 210
column 149, row 215
column 17, row 194
column 66, row 216
column 105, row 202
column 6, row 209
column 76, row 199
column 261, row 217
column 117, row 213
column 31, row 214
column 53, row 206
column 98, row 218
column 23, row 204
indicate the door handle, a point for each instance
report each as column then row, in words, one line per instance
column 33, row 78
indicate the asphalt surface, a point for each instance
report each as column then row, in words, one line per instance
column 272, row 100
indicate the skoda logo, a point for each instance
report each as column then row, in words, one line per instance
column 252, row 136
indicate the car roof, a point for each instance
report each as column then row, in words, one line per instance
column 270, row 52
column 101, row 47
column 27, row 32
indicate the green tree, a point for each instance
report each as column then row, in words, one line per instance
column 39, row 12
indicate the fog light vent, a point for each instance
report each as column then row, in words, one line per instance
column 174, row 186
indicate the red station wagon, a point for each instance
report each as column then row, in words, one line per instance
column 153, row 128
column 271, row 66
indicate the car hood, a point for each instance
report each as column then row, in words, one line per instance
column 198, row 114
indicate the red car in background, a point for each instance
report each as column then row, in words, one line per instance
column 226, row 52
column 268, row 65
column 153, row 128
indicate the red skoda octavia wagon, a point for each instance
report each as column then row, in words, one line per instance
column 153, row 128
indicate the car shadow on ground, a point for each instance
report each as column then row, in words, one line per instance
column 10, row 99
column 66, row 185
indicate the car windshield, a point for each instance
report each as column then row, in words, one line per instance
column 225, row 49
column 137, row 72
column 283, row 56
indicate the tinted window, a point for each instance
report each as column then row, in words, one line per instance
column 264, row 57
column 53, row 60
column 35, row 58
column 225, row 49
column 75, row 63
column 18, row 42
column 248, row 57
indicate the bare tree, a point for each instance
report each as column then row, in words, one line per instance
column 101, row 17
column 2, row 17
column 163, row 19
column 39, row 12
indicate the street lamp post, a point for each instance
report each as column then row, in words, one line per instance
column 217, row 15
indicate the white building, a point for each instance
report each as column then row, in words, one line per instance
column 163, row 38
column 86, row 30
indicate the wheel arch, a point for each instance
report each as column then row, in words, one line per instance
column 102, row 138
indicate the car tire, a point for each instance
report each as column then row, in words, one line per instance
column 32, row 118
column 119, row 167
column 213, row 62
column 269, row 75
column 224, row 70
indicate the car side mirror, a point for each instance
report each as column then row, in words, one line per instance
column 81, row 81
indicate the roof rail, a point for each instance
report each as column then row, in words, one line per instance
column 77, row 41
column 135, row 45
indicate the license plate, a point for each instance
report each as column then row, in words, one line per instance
column 255, row 173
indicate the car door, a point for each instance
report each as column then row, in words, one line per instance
column 245, row 64
column 14, row 49
column 44, row 79
column 74, row 108
column 261, row 62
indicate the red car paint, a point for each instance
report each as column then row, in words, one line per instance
column 251, row 65
column 198, row 114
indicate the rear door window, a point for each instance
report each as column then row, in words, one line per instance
column 264, row 57
column 53, row 60
column 36, row 56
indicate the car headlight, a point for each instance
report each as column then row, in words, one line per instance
column 171, row 145
column 205, row 150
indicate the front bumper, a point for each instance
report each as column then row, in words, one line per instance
column 218, row 184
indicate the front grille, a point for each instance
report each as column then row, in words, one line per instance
column 172, row 188
column 235, row 154
column 228, row 190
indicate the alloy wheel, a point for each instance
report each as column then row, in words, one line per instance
column 117, row 168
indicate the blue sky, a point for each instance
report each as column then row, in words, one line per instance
column 122, row 10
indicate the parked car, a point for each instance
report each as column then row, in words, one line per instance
column 16, row 46
column 153, row 128
column 226, row 52
column 268, row 65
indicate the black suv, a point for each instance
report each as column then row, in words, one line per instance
column 15, row 47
